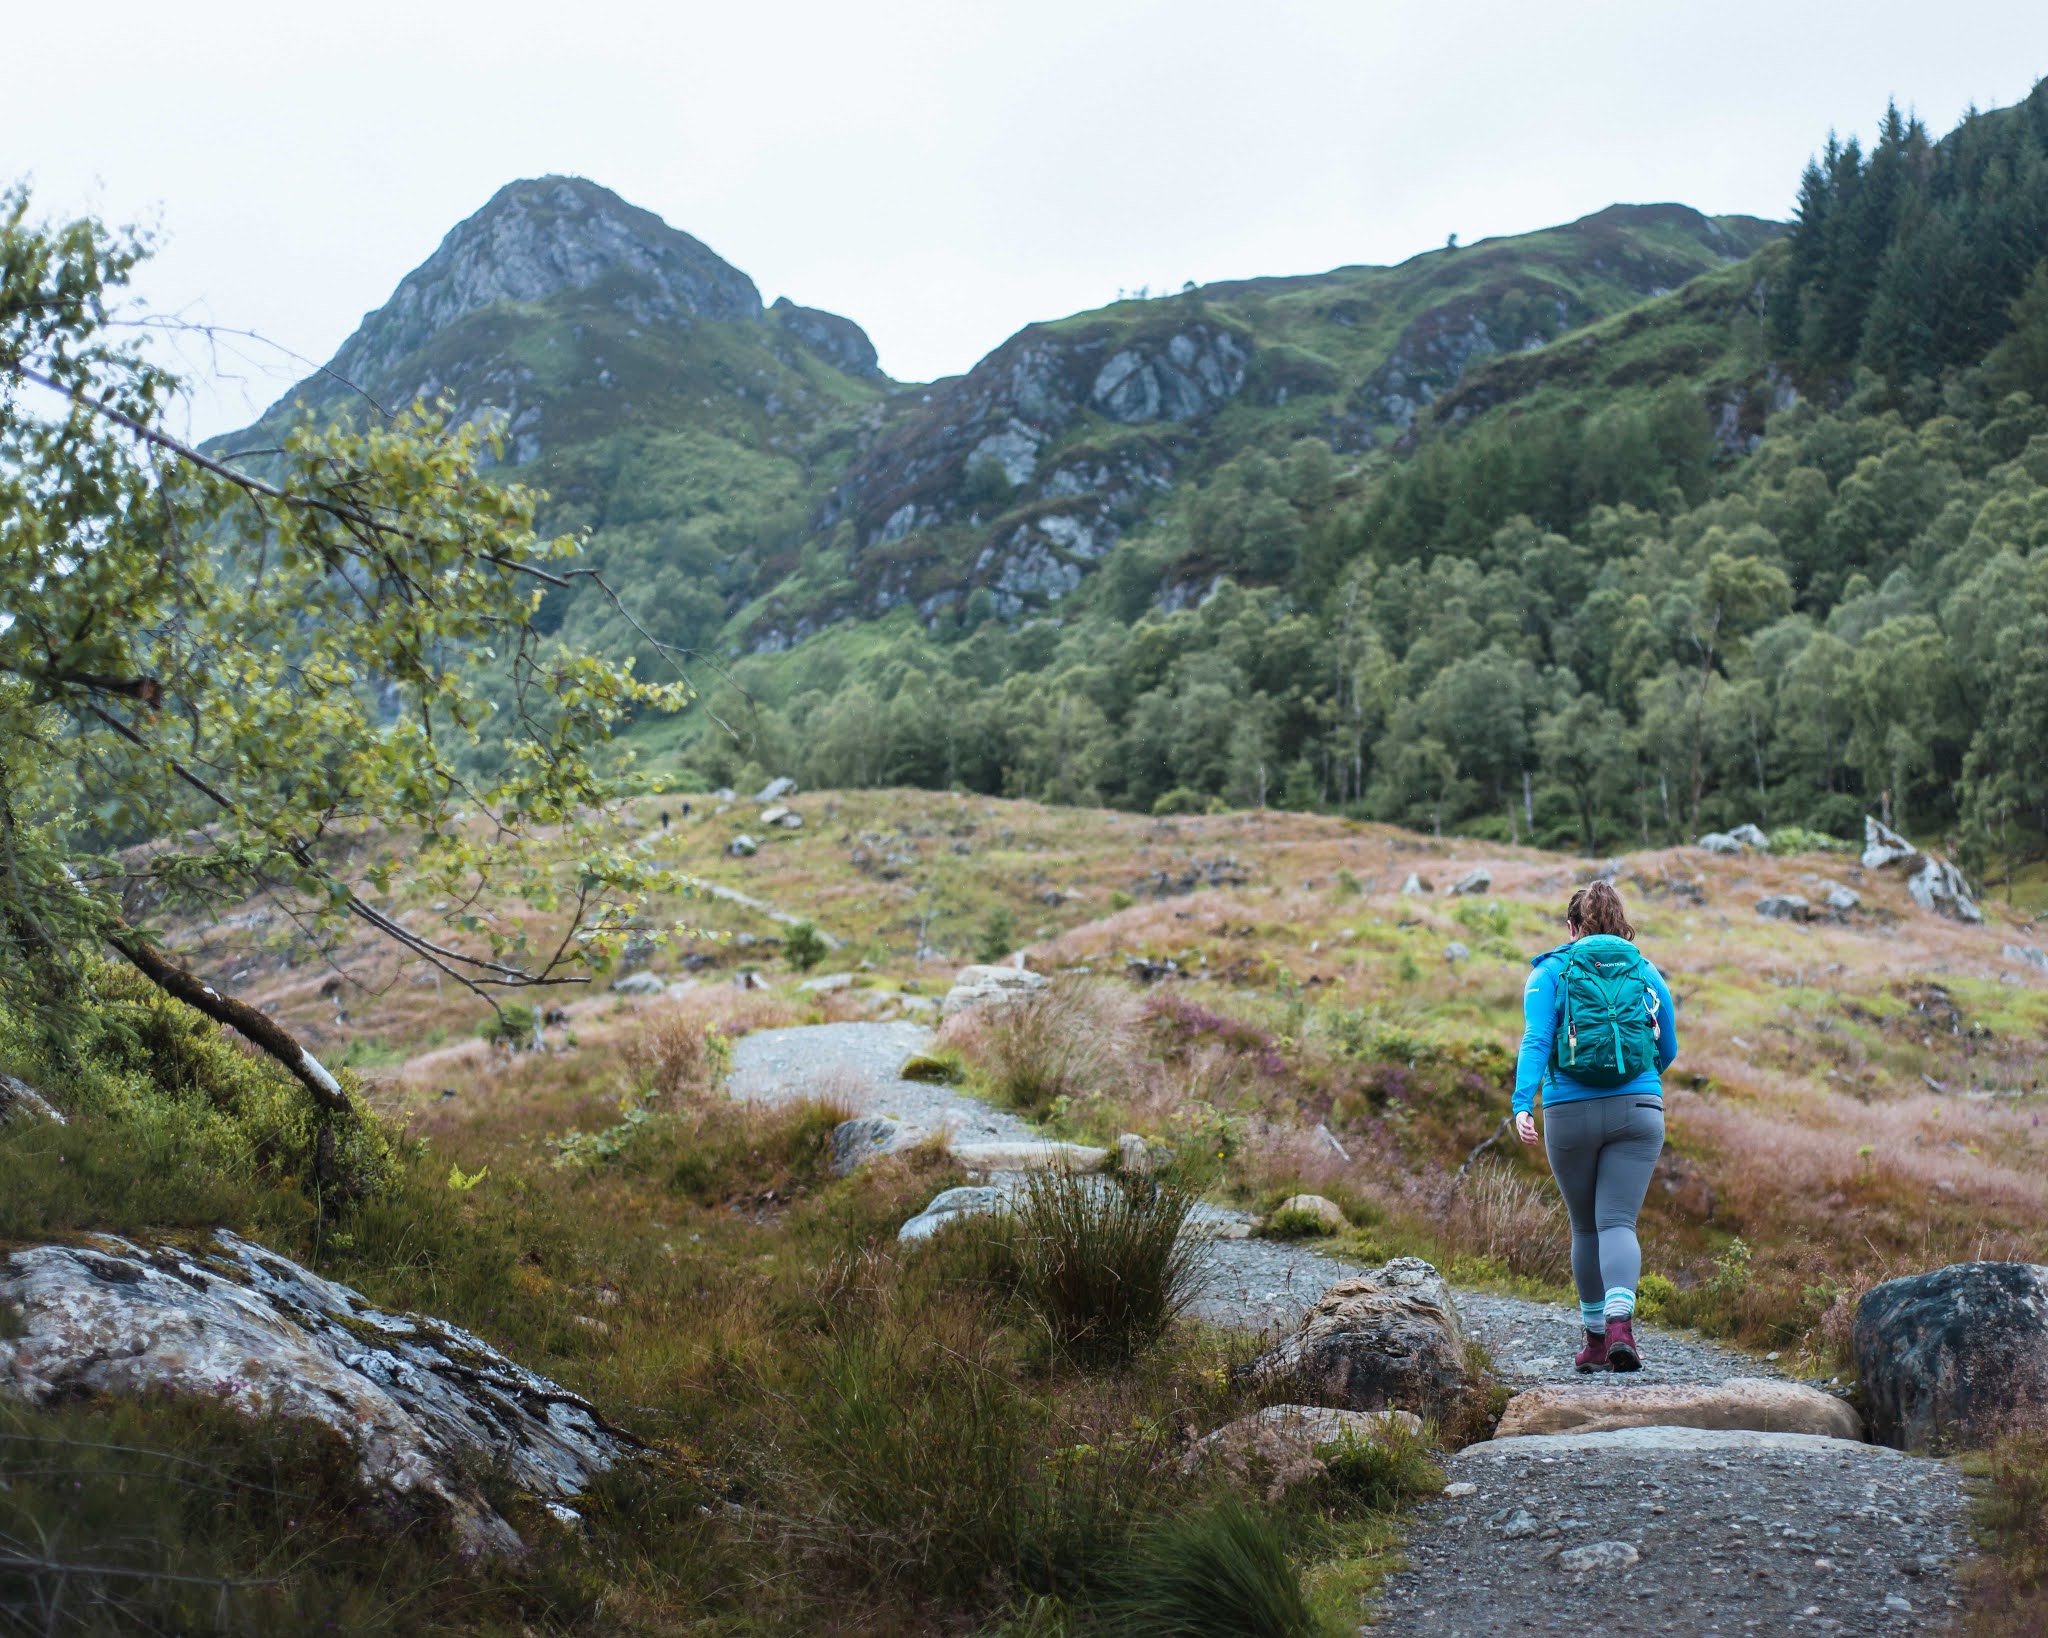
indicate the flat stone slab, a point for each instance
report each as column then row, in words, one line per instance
column 1687, row 1532
column 1762, row 1404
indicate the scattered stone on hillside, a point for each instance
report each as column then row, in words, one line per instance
column 1750, row 837
column 1143, row 970
column 1476, row 880
column 776, row 789
column 2031, row 954
column 828, row 983
column 1416, row 884
column 1761, row 1404
column 1952, row 1358
column 1784, row 907
column 954, row 1205
column 1134, row 1155
column 975, row 986
column 1455, row 952
column 774, row 814
column 1884, row 846
column 749, row 980
column 640, row 983
column 18, row 1098
column 424, row 1403
column 864, row 1138
column 1715, row 841
column 742, row 847
column 1327, row 1213
column 1388, row 1339
column 1938, row 886
column 725, row 793
column 1842, row 899
column 1275, row 1448
column 1599, row 1555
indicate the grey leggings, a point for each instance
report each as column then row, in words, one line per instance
column 1602, row 1151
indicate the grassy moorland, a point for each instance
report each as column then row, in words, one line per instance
column 850, row 1435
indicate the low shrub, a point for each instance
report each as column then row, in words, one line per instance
column 1101, row 1261
column 1653, row 1294
column 804, row 947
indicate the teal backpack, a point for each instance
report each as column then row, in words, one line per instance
column 1605, row 1035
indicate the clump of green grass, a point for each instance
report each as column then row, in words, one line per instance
column 1102, row 1262
column 1220, row 1572
column 1052, row 1046
column 1296, row 1224
column 940, row 1068
column 1383, row 1473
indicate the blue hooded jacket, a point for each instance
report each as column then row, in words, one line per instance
column 1539, row 1011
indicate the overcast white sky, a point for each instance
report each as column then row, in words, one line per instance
column 942, row 171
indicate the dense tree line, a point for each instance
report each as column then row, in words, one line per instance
column 1581, row 625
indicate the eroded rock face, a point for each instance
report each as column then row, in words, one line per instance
column 1950, row 1358
column 1757, row 1404
column 1388, row 1340
column 423, row 1402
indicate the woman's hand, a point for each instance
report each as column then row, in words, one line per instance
column 1525, row 1129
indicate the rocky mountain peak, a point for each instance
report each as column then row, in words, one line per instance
column 537, row 238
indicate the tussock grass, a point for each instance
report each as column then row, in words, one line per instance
column 1220, row 1572
column 1101, row 1260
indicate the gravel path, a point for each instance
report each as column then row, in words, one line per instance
column 857, row 1064
column 1682, row 1532
column 1654, row 1530
column 1253, row 1284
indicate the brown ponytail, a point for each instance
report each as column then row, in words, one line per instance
column 1597, row 909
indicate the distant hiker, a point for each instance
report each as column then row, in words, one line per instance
column 1600, row 1029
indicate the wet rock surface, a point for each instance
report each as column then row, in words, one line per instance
column 424, row 1403
column 1684, row 1532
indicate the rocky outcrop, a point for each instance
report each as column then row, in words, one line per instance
column 1277, row 1448
column 1390, row 1339
column 1936, row 885
column 1761, row 1404
column 838, row 341
column 1950, row 1359
column 424, row 1403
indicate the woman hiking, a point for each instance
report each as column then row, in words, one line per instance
column 1600, row 1029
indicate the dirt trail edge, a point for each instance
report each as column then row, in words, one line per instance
column 1674, row 1531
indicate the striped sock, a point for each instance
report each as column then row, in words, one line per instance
column 1594, row 1315
column 1621, row 1303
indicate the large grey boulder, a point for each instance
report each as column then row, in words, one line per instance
column 864, row 1138
column 18, row 1099
column 1750, row 837
column 975, row 986
column 2031, row 954
column 424, row 1403
column 955, row 1205
column 640, row 983
column 1950, row 1359
column 1715, row 841
column 775, row 790
column 1476, row 880
column 1388, row 1340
